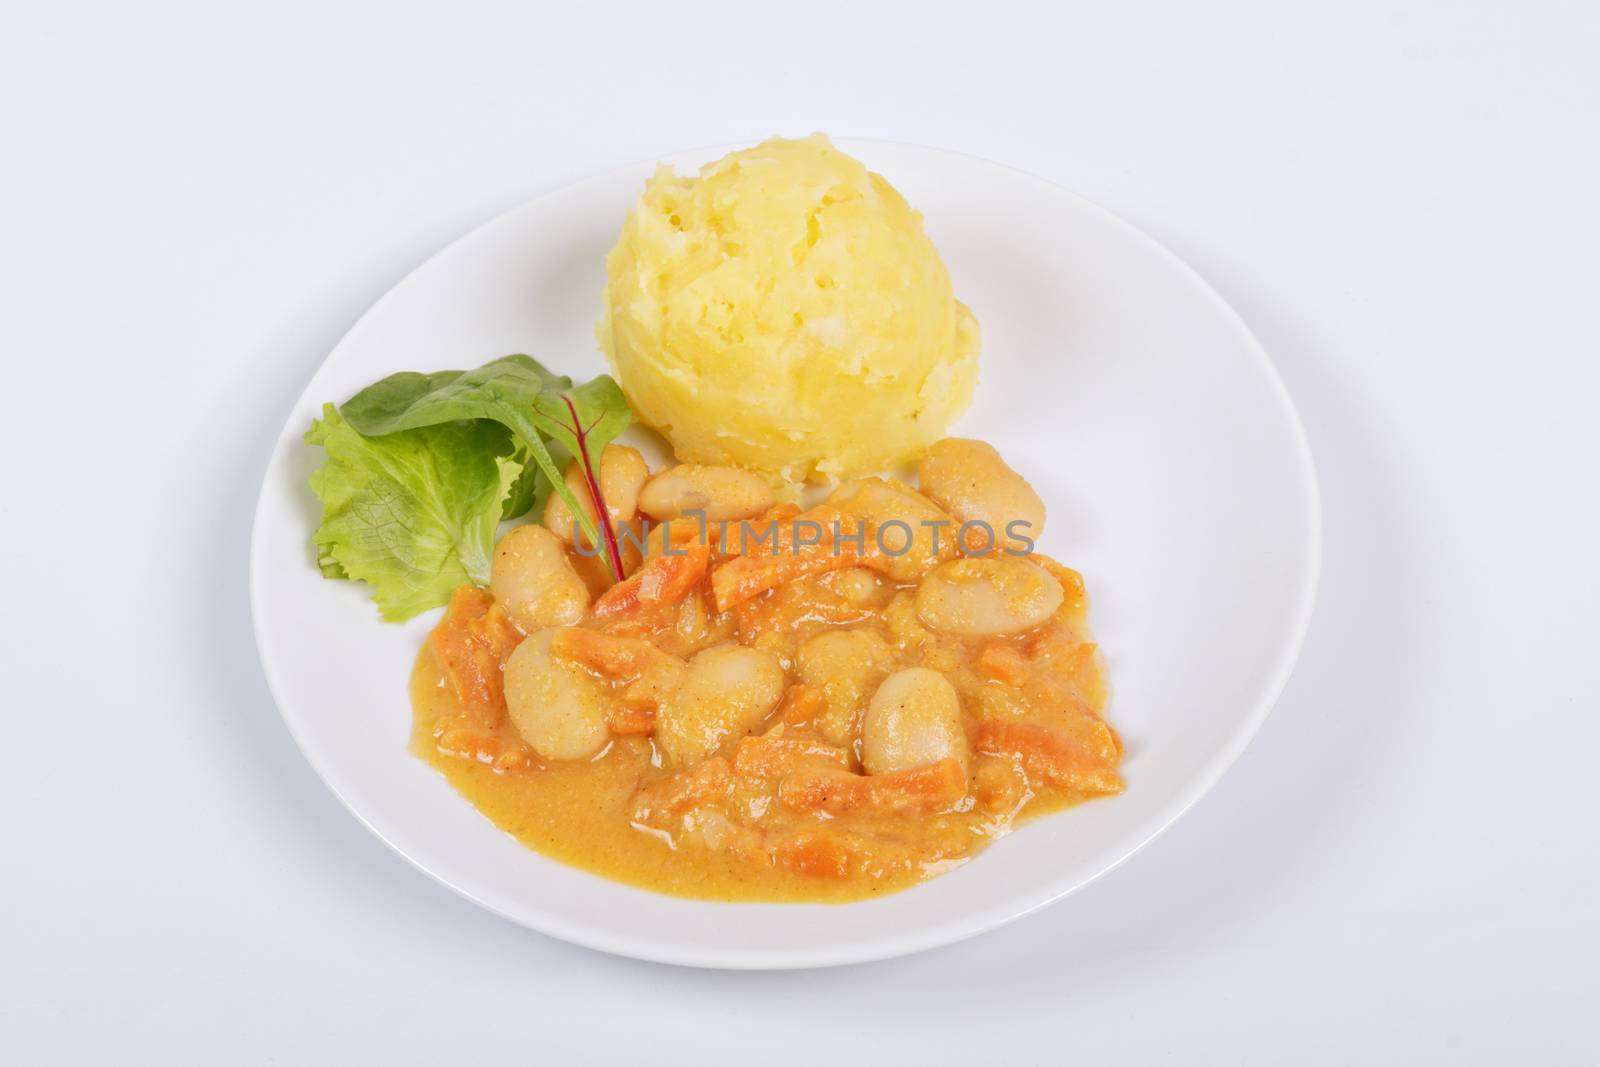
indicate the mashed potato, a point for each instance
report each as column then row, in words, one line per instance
column 785, row 311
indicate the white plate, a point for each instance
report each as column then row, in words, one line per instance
column 1177, row 478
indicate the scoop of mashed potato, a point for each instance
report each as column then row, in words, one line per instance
column 785, row 311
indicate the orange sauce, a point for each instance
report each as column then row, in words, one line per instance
column 1030, row 706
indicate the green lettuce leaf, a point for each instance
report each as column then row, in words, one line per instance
column 413, row 513
column 520, row 394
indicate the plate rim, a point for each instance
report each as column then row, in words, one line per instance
column 980, row 920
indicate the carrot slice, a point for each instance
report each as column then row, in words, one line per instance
column 662, row 581
column 1086, row 764
column 468, row 602
column 455, row 737
column 499, row 633
column 471, row 645
column 668, row 798
column 1002, row 662
column 766, row 758
column 650, row 673
column 801, row 704
column 625, row 720
column 614, row 656
column 920, row 789
column 746, row 577
column 815, row 853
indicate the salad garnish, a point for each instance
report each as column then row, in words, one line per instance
column 421, row 469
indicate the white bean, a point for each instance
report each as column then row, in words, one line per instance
column 558, row 708
column 725, row 693
column 970, row 480
column 989, row 595
column 623, row 472
column 532, row 578
column 914, row 720
column 721, row 492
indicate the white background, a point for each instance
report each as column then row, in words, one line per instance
column 196, row 201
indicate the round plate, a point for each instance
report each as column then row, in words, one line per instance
column 1176, row 473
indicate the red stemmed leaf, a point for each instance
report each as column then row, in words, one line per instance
column 584, row 419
